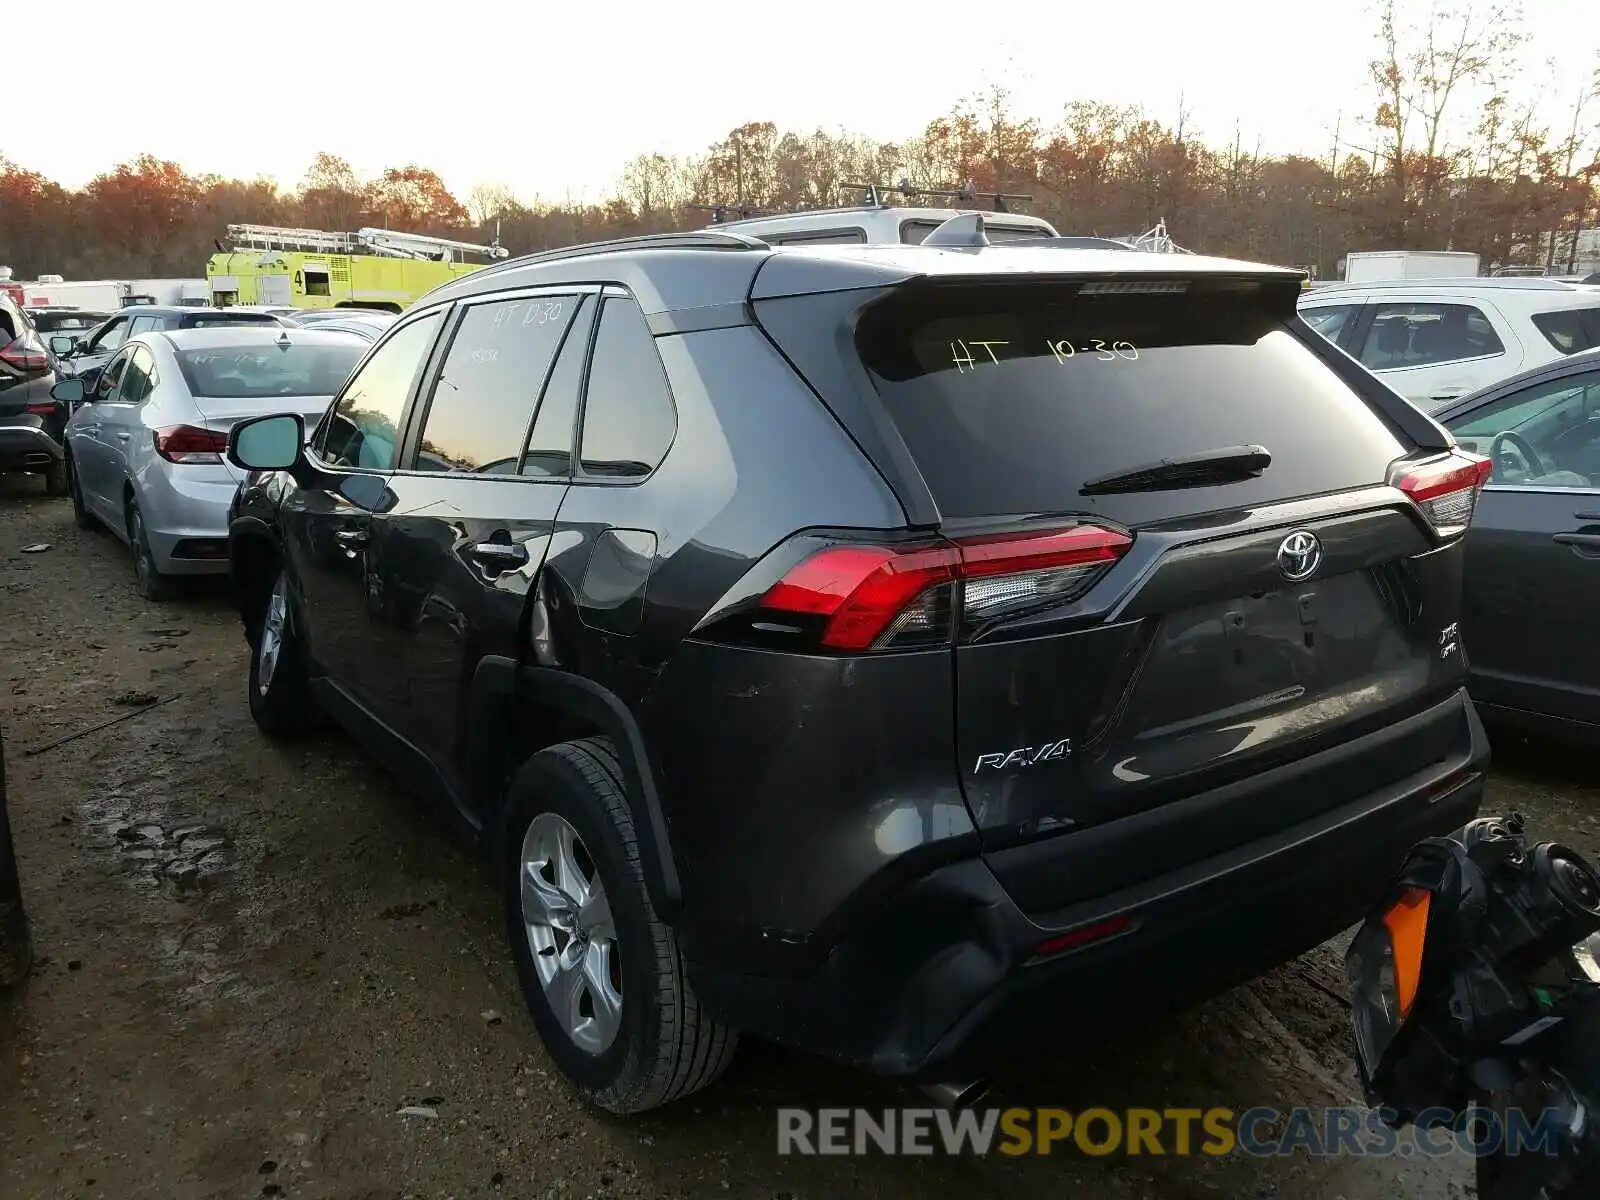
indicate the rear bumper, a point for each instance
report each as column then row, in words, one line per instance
column 944, row 980
column 185, row 512
column 27, row 448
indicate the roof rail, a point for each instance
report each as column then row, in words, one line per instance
column 878, row 194
column 697, row 239
column 720, row 212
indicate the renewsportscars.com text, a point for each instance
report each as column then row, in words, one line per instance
column 1259, row 1132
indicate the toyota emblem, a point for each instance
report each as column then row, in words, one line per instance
column 1299, row 555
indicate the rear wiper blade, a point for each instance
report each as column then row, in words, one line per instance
column 1227, row 464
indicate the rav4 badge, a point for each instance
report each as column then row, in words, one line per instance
column 1024, row 756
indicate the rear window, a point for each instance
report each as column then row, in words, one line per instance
column 1570, row 330
column 913, row 232
column 1012, row 398
column 66, row 322
column 256, row 372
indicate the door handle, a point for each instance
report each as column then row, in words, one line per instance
column 501, row 555
column 1579, row 541
column 1593, row 516
column 351, row 539
column 123, row 436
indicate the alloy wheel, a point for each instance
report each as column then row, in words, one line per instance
column 571, row 932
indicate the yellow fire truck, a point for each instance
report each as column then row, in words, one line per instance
column 315, row 268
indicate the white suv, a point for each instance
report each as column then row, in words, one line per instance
column 879, row 224
column 1433, row 340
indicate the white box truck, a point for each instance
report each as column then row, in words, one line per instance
column 1372, row 266
column 108, row 295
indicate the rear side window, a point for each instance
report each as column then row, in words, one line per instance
column 628, row 415
column 913, row 232
column 1570, row 330
column 1012, row 398
column 1330, row 320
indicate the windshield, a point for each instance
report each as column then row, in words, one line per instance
column 255, row 372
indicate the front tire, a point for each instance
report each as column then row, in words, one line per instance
column 281, row 703
column 601, row 974
column 152, row 584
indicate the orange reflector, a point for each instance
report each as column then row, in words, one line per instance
column 1080, row 937
column 1407, row 923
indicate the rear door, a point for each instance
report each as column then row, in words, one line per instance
column 1434, row 348
column 1533, row 553
column 457, row 554
column 1128, row 641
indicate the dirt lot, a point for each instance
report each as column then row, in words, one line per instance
column 252, row 958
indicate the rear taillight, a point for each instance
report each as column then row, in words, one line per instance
column 861, row 598
column 1444, row 489
column 187, row 444
column 41, row 410
column 25, row 354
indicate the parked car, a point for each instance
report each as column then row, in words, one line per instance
column 911, row 655
column 30, row 420
column 367, row 324
column 144, row 449
column 1533, row 552
column 89, row 354
column 1434, row 341
column 71, row 323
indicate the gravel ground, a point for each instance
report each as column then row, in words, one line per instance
column 253, row 957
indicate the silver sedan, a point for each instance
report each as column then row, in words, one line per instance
column 144, row 449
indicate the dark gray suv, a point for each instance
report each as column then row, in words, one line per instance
column 916, row 655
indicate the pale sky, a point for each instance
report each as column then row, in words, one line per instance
column 552, row 99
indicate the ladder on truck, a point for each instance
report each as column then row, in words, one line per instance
column 384, row 243
column 1156, row 241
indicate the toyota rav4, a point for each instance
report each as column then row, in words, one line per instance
column 911, row 654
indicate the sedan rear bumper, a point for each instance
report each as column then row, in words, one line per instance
column 185, row 508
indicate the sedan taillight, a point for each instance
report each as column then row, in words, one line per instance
column 188, row 444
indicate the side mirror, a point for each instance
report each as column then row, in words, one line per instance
column 272, row 443
column 68, row 391
column 61, row 345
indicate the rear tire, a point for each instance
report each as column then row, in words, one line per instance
column 281, row 702
column 80, row 511
column 656, row 1045
column 147, row 577
column 55, row 479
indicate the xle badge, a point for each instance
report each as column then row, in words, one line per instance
column 1024, row 756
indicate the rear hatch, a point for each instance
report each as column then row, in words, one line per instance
column 1176, row 551
column 24, row 361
